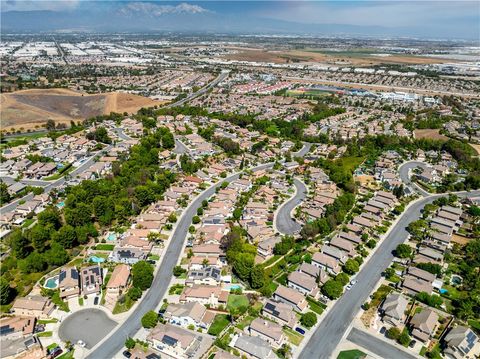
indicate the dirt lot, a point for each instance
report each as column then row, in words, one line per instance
column 433, row 134
column 476, row 147
column 29, row 109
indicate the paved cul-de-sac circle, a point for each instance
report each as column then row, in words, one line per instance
column 89, row 325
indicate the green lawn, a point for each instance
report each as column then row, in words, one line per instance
column 293, row 337
column 176, row 289
column 350, row 163
column 104, row 247
column 47, row 321
column 154, row 257
column 316, row 306
column 270, row 260
column 67, row 355
column 219, row 323
column 245, row 322
column 44, row 334
column 237, row 301
column 475, row 324
column 51, row 346
column 123, row 307
column 351, row 354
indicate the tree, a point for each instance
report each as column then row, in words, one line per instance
column 50, row 217
column 196, row 219
column 237, row 213
column 66, row 236
column 34, row 263
column 178, row 271
column 4, row 194
column 432, row 300
column 351, row 266
column 433, row 268
column 172, row 218
column 257, row 277
column 393, row 333
column 308, row 319
column 284, row 246
column 371, row 243
column 142, row 275
column 134, row 293
column 78, row 216
column 243, row 265
column 39, row 235
column 57, row 255
column 342, row 278
column 130, row 343
column 404, row 338
column 20, row 244
column 332, row 289
column 403, row 251
column 150, row 319
column 6, row 292
column 50, row 125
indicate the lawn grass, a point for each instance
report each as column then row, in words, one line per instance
column 316, row 306
column 59, row 175
column 219, row 323
column 59, row 302
column 351, row 354
column 237, row 301
column 423, row 351
column 28, row 222
column 80, row 300
column 44, row 334
column 51, row 346
column 293, row 337
column 350, row 163
column 475, row 324
column 123, row 307
column 245, row 322
column 67, row 355
column 104, row 247
column 47, row 321
column 270, row 260
column 154, row 257
column 176, row 289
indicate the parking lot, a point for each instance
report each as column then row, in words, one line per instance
column 88, row 325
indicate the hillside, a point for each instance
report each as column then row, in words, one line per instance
column 32, row 108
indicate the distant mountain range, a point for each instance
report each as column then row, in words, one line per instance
column 183, row 17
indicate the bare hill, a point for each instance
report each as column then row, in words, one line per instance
column 32, row 108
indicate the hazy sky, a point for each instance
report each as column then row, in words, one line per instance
column 436, row 16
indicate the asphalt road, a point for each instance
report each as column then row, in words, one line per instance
column 200, row 92
column 284, row 222
column 180, row 147
column 404, row 173
column 304, row 150
column 376, row 345
column 333, row 327
column 160, row 284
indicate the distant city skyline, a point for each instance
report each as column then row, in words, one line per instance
column 426, row 19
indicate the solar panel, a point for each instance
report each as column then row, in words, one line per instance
column 63, row 274
column 269, row 306
column 6, row 330
column 74, row 273
column 169, row 340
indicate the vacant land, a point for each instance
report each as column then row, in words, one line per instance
column 433, row 134
column 30, row 109
column 476, row 147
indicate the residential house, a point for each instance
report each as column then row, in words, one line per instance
column 461, row 342
column 91, row 280
column 205, row 276
column 174, row 341
column 424, row 324
column 253, row 347
column 269, row 331
column 280, row 312
column 119, row 279
column 394, row 308
column 204, row 294
column 303, row 283
column 69, row 282
column 331, row 265
column 33, row 306
column 12, row 328
column 191, row 313
column 127, row 255
column 291, row 297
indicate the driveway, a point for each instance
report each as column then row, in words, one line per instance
column 89, row 325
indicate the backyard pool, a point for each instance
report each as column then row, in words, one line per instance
column 51, row 283
column 456, row 279
column 233, row 287
column 112, row 237
column 96, row 259
column 61, row 204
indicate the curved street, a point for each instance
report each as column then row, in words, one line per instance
column 334, row 325
column 404, row 172
column 284, row 222
column 161, row 282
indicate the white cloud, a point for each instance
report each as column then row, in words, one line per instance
column 147, row 8
column 33, row 5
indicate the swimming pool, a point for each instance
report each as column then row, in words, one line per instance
column 233, row 287
column 51, row 283
column 61, row 204
column 96, row 259
column 112, row 236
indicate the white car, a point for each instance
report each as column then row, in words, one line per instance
column 348, row 287
column 81, row 343
column 353, row 282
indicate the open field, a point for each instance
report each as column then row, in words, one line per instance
column 433, row 134
column 30, row 109
column 476, row 147
column 365, row 57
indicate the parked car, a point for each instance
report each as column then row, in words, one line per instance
column 300, row 330
column 383, row 330
column 127, row 354
column 95, row 300
column 81, row 343
column 353, row 282
column 412, row 343
column 39, row 328
column 57, row 351
column 348, row 287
